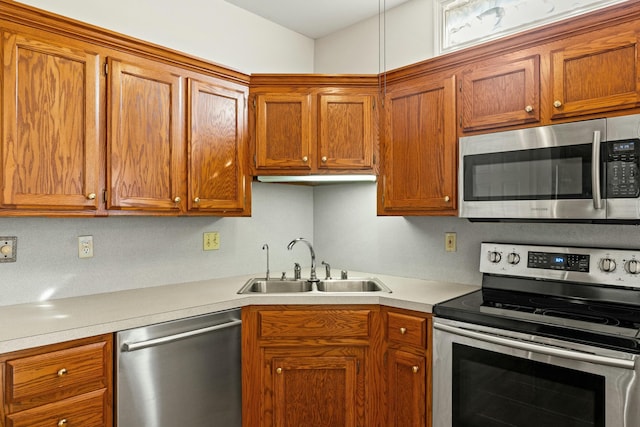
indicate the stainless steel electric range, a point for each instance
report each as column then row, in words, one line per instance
column 551, row 339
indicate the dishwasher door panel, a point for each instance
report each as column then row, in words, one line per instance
column 185, row 372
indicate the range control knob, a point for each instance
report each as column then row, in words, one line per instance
column 607, row 264
column 513, row 258
column 632, row 266
column 494, row 257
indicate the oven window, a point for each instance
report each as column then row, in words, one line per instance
column 540, row 174
column 496, row 390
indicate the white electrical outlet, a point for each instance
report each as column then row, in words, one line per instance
column 85, row 246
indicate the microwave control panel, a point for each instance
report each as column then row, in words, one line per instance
column 622, row 168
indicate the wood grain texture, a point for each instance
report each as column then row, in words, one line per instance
column 283, row 131
column 346, row 131
column 216, row 144
column 86, row 410
column 34, row 395
column 407, row 329
column 419, row 149
column 601, row 74
column 408, row 367
column 498, row 95
column 314, row 323
column 50, row 142
column 303, row 375
column 315, row 391
column 146, row 144
column 407, row 389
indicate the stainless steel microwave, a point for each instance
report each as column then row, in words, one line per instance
column 580, row 171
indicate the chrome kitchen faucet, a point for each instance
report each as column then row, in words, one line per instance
column 313, row 277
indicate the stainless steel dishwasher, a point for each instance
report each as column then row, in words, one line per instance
column 180, row 373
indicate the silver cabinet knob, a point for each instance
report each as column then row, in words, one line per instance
column 305, row 159
column 91, row 196
column 177, row 199
column 62, row 372
column 557, row 104
column 403, row 331
column 415, row 369
column 196, row 200
column 62, row 422
column 447, row 199
column 324, row 159
column 528, row 108
column 278, row 370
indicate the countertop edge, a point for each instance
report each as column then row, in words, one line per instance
column 48, row 322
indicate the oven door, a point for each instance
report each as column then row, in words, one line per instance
column 550, row 172
column 486, row 377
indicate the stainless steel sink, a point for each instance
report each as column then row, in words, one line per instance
column 275, row 286
column 369, row 284
column 285, row 286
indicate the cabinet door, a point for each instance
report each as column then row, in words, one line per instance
column 502, row 94
column 407, row 389
column 319, row 389
column 50, row 143
column 217, row 180
column 596, row 73
column 346, row 137
column 283, row 131
column 419, row 150
column 146, row 145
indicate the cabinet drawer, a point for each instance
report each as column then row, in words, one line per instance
column 405, row 329
column 86, row 410
column 314, row 323
column 51, row 376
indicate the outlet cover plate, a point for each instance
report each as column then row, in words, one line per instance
column 8, row 248
column 211, row 241
column 85, row 246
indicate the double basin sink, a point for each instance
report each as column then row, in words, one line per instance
column 281, row 286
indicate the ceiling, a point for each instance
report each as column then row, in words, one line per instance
column 314, row 18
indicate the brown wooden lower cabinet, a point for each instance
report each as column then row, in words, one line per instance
column 67, row 384
column 408, row 368
column 352, row 366
column 312, row 366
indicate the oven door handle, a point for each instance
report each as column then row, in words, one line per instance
column 595, row 171
column 539, row 348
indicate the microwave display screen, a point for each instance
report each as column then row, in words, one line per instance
column 623, row 146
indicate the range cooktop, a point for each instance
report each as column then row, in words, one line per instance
column 585, row 295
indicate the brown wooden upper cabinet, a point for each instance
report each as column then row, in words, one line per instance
column 50, row 140
column 283, row 131
column 312, row 129
column 146, row 143
column 346, row 133
column 502, row 93
column 418, row 153
column 596, row 72
column 93, row 129
column 582, row 75
column 153, row 163
column 217, row 147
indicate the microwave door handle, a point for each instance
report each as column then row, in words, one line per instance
column 595, row 171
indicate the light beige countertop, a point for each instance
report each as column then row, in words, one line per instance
column 40, row 323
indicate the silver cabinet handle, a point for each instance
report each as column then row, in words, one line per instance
column 595, row 170
column 528, row 108
column 538, row 348
column 170, row 338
